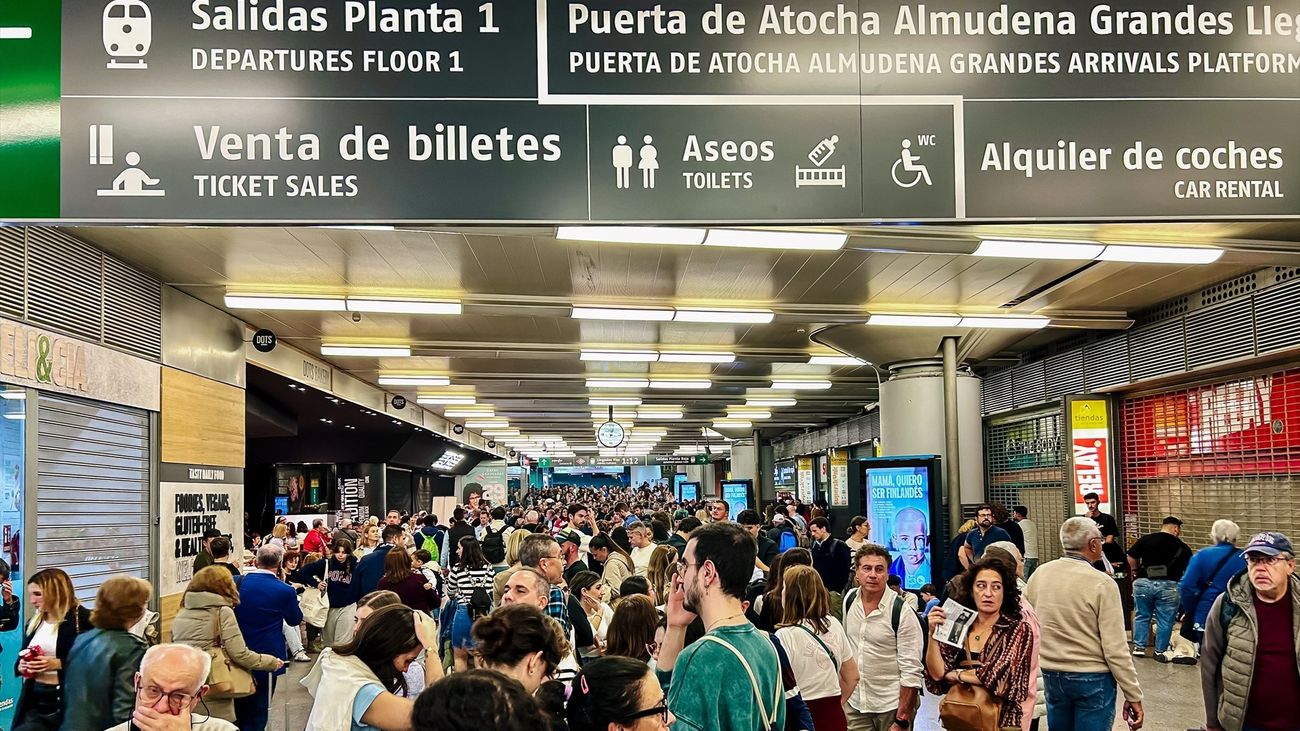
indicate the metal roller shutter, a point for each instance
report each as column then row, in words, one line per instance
column 93, row 507
column 1229, row 449
column 1025, row 465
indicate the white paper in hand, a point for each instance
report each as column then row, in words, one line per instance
column 956, row 623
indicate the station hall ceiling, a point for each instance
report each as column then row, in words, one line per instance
column 517, row 348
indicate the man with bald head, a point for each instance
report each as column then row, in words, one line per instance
column 527, row 586
column 169, row 686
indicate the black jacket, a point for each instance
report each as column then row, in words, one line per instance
column 9, row 616
column 832, row 558
column 458, row 531
column 768, row 550
column 74, row 623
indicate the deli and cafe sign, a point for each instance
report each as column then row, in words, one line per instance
column 28, row 354
column 1090, row 444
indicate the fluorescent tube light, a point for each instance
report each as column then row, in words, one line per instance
column 801, row 385
column 544, row 438
column 621, row 313
column 742, row 413
column 632, row 235
column 731, row 424
column 1039, row 249
column 643, row 439
column 414, row 307
column 659, row 415
column 481, row 413
column 1009, row 323
column 501, row 433
column 769, row 402
column 395, row 351
column 396, row 380
column 657, row 431
column 488, row 424
column 761, row 317
column 615, row 401
column 835, row 360
column 750, row 239
column 585, row 450
column 284, row 302
column 938, row 320
column 1160, row 254
column 16, row 417
column 360, row 228
column 697, row 384
column 445, row 400
column 620, row 356
column 617, row 383
column 682, row 357
column 13, row 395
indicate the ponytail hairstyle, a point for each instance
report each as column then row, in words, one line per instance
column 511, row 633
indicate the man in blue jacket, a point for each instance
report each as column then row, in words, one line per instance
column 1207, row 577
column 265, row 604
column 370, row 569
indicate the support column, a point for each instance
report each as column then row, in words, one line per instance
column 952, row 440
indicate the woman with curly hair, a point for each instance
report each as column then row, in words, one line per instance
column 999, row 645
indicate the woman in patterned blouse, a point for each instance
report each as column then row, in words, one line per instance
column 999, row 639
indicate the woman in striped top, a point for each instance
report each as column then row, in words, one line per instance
column 470, row 585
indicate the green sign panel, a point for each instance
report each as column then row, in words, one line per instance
column 29, row 108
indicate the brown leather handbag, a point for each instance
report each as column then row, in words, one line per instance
column 969, row 707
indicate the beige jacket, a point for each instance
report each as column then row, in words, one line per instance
column 193, row 626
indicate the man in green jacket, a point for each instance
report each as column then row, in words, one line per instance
column 1250, row 658
column 204, row 559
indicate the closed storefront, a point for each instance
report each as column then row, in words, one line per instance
column 1026, row 465
column 1226, row 449
column 93, row 511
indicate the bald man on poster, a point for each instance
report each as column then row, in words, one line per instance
column 911, row 542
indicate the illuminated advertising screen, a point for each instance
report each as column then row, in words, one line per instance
column 678, row 479
column 688, row 490
column 900, row 506
column 736, row 493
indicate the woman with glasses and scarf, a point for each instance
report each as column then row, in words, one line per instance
column 617, row 693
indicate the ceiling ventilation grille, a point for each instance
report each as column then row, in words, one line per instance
column 55, row 280
column 1172, row 308
column 996, row 391
column 1157, row 350
column 12, row 264
column 1276, row 324
column 1028, row 384
column 1064, row 373
column 1206, row 328
column 1106, row 363
column 858, row 430
column 1231, row 289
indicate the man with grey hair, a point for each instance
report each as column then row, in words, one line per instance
column 1251, row 675
column 1206, row 578
column 266, row 604
column 168, row 688
column 1084, row 650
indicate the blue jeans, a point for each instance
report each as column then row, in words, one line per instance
column 252, row 712
column 1080, row 701
column 1158, row 597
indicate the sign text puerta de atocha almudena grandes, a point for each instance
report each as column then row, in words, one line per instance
column 648, row 110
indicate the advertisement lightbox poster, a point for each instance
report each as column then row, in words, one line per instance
column 901, row 505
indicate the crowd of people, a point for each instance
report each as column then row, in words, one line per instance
column 588, row 610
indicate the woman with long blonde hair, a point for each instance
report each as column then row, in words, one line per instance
column 661, row 561
column 821, row 655
column 57, row 619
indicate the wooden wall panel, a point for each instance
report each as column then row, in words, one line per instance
column 168, row 607
column 202, row 421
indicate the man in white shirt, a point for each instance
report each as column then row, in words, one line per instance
column 168, row 688
column 888, row 657
column 643, row 547
column 1020, row 514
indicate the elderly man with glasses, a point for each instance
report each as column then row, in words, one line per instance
column 168, row 688
column 1250, row 674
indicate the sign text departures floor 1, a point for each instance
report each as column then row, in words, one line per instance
column 463, row 111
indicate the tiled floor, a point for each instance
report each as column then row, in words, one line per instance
column 1173, row 700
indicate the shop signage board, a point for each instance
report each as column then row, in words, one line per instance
column 839, row 467
column 187, row 510
column 488, row 478
column 576, row 111
column 806, row 488
column 49, row 361
column 1091, row 440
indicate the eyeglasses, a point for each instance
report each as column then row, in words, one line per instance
column 660, row 710
column 1258, row 560
column 152, row 694
column 683, row 565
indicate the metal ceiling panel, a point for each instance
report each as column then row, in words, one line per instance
column 1216, row 334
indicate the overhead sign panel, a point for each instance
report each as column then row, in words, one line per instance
column 687, row 111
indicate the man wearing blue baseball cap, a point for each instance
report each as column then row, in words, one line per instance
column 1250, row 669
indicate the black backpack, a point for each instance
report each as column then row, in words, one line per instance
column 494, row 545
column 480, row 603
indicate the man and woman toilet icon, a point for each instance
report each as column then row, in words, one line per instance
column 622, row 161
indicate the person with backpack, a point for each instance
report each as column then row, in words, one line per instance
column 493, row 540
column 888, row 648
column 431, row 537
column 470, row 586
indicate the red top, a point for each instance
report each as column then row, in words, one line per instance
column 1276, row 676
column 315, row 543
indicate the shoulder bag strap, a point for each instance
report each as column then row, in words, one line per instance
column 216, row 627
column 834, row 660
column 753, row 681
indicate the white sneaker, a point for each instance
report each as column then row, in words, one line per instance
column 1139, row 652
column 301, row 656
